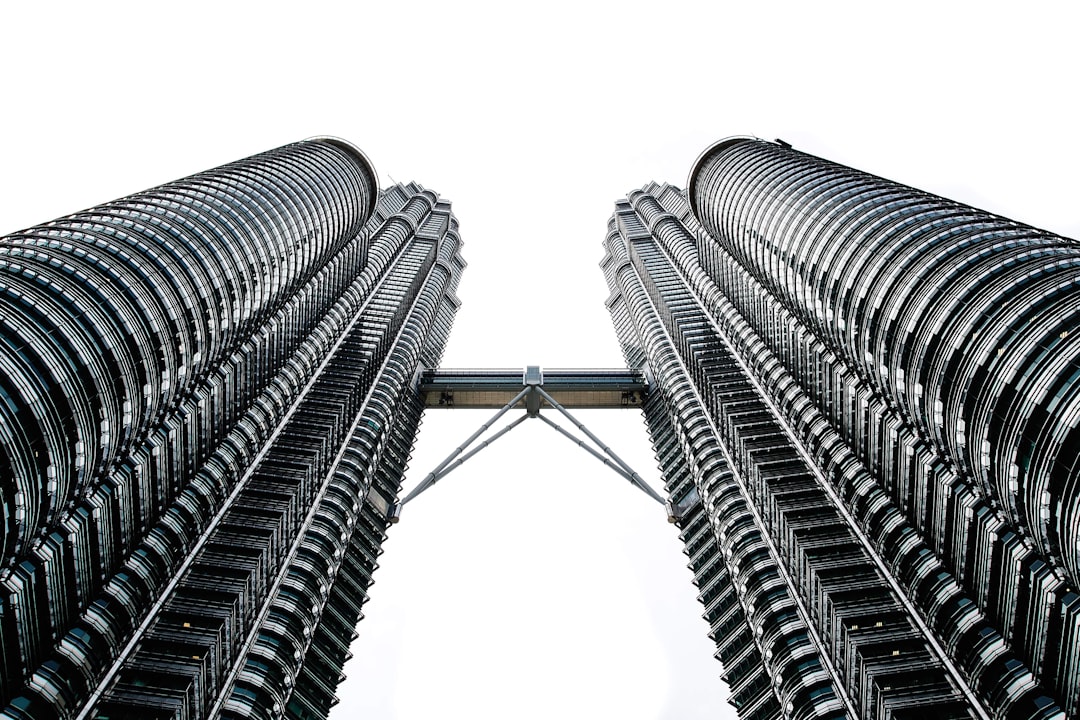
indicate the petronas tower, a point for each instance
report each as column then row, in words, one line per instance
column 864, row 401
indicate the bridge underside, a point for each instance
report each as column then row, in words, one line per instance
column 533, row 390
column 493, row 389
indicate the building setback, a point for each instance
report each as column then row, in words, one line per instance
column 865, row 403
column 208, row 400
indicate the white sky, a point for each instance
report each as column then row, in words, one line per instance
column 533, row 582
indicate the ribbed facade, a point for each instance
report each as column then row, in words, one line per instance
column 866, row 397
column 208, row 403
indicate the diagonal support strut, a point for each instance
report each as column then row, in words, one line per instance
column 627, row 471
column 534, row 396
column 435, row 474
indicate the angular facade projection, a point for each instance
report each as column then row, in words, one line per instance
column 207, row 400
column 865, row 403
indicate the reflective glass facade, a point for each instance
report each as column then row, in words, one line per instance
column 865, row 400
column 208, row 401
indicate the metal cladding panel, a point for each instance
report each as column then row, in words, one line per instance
column 132, row 337
column 939, row 341
column 901, row 507
column 110, row 317
column 209, row 372
column 689, row 449
column 963, row 321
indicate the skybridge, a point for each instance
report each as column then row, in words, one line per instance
column 493, row 389
column 533, row 390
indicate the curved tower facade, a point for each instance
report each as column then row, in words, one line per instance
column 866, row 402
column 864, row 399
column 208, row 402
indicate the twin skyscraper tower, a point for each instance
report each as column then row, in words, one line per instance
column 864, row 400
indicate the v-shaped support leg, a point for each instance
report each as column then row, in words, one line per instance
column 533, row 394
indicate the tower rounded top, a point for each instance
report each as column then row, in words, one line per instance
column 357, row 153
column 691, row 181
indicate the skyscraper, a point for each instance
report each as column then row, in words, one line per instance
column 865, row 402
column 208, row 402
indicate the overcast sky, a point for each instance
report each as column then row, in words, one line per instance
column 533, row 582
